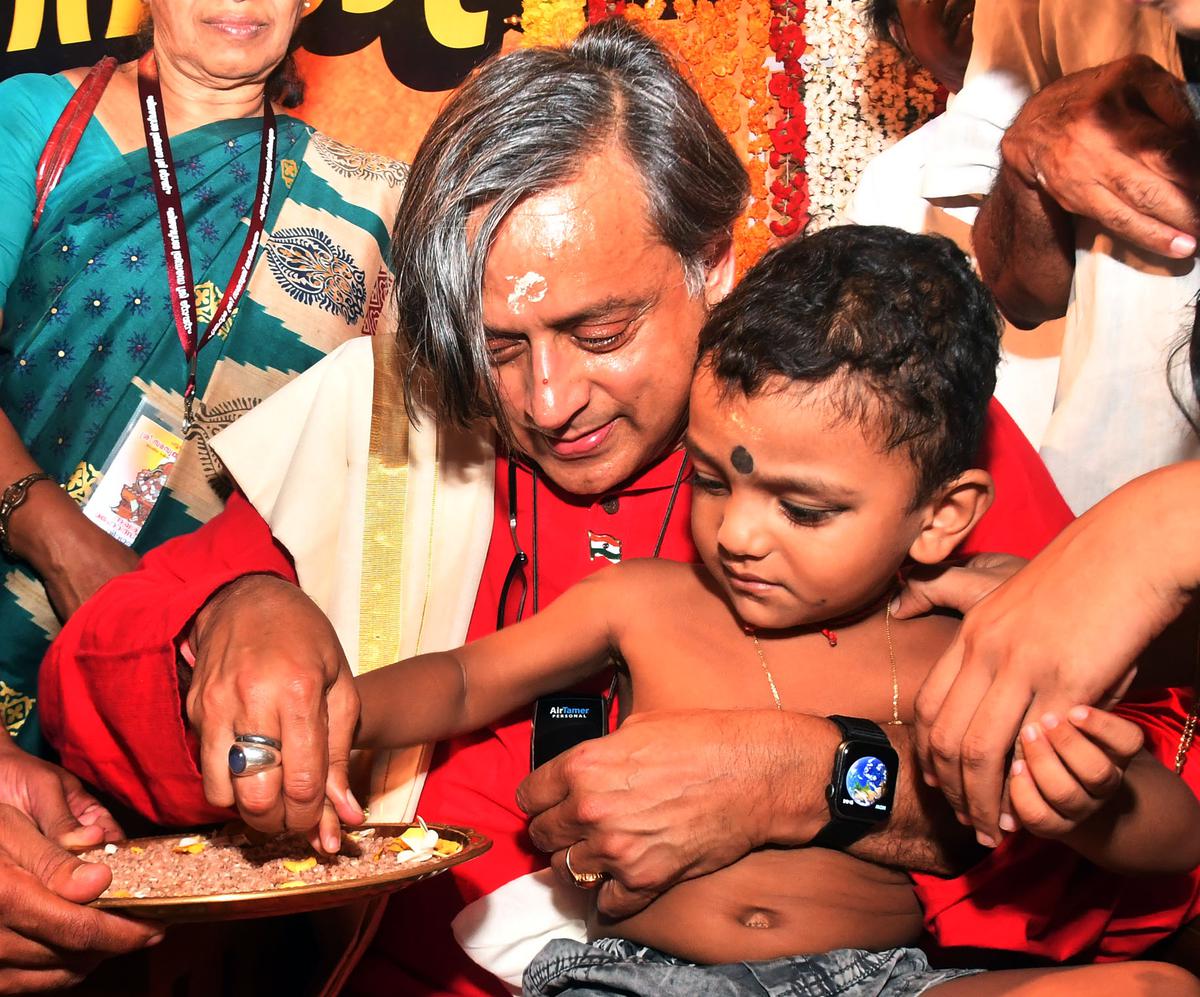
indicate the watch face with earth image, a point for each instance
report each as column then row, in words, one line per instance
column 867, row 781
column 864, row 782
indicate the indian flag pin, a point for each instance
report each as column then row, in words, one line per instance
column 605, row 546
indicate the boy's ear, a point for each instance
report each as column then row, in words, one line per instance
column 719, row 279
column 952, row 515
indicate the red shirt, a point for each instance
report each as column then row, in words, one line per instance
column 123, row 641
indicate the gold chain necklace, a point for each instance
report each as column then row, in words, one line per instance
column 1188, row 733
column 887, row 630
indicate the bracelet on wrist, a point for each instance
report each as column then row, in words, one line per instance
column 12, row 499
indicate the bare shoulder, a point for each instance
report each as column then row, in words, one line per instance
column 656, row 580
column 926, row 638
column 650, row 587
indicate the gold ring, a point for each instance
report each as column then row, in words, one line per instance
column 584, row 880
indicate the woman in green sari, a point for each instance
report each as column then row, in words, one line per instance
column 93, row 327
column 88, row 330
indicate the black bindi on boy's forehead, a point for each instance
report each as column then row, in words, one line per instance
column 741, row 460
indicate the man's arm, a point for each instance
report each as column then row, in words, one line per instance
column 1116, row 144
column 110, row 696
column 1025, row 246
column 672, row 796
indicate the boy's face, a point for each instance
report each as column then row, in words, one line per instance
column 796, row 512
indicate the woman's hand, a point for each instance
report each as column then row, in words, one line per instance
column 72, row 556
column 268, row 662
column 1065, row 630
column 953, row 586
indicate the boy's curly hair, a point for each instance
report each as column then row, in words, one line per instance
column 898, row 324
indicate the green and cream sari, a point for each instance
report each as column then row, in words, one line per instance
column 88, row 330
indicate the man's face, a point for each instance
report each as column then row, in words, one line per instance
column 1184, row 14
column 591, row 329
column 796, row 512
column 937, row 33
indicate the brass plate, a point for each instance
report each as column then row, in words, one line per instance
column 296, row 899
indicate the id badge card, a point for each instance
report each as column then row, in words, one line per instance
column 135, row 474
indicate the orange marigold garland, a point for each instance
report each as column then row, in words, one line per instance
column 721, row 47
column 551, row 22
column 799, row 86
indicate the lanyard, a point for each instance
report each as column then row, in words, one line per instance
column 164, row 181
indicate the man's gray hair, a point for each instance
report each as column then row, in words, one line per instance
column 524, row 124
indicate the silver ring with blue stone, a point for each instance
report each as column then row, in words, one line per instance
column 250, row 758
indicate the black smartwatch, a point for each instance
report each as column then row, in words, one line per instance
column 863, row 783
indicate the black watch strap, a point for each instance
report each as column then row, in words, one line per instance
column 841, row 833
column 863, row 730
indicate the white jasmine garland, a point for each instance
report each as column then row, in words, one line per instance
column 860, row 96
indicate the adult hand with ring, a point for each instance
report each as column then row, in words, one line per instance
column 584, row 880
column 251, row 753
column 268, row 662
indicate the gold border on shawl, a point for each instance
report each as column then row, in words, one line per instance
column 383, row 587
column 381, row 590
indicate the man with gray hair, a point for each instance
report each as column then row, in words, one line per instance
column 566, row 226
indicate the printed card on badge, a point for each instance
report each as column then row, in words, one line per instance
column 135, row 475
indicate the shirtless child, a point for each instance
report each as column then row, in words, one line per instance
column 836, row 410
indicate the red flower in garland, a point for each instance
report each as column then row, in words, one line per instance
column 789, row 192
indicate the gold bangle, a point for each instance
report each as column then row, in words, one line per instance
column 14, row 495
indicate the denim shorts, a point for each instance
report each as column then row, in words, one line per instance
column 615, row 966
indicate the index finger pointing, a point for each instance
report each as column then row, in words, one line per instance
column 305, row 761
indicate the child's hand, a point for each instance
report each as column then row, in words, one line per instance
column 1072, row 766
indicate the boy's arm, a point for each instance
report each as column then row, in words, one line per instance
column 435, row 696
column 1086, row 779
column 1148, row 827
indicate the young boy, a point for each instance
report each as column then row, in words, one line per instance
column 836, row 410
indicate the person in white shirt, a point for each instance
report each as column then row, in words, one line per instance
column 1059, row 235
column 938, row 37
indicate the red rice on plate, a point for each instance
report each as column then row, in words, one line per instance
column 217, row 863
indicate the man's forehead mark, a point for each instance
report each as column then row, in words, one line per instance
column 741, row 460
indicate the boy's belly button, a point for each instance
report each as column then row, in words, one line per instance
column 756, row 917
